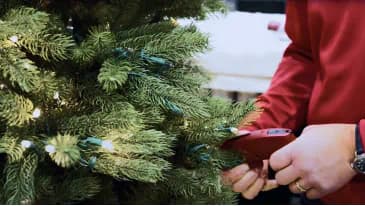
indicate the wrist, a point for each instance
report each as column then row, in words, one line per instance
column 350, row 142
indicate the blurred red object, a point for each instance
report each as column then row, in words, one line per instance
column 258, row 145
column 273, row 26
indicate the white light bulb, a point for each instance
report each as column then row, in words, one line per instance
column 26, row 143
column 108, row 145
column 36, row 113
column 14, row 39
column 2, row 86
column 56, row 95
column 50, row 149
column 234, row 130
column 70, row 27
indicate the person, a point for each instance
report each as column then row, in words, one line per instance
column 317, row 89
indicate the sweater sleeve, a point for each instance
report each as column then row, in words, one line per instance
column 285, row 104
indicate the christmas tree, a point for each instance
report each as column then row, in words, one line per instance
column 101, row 102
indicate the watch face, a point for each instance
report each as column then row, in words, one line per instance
column 359, row 164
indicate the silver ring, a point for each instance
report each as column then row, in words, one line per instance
column 300, row 187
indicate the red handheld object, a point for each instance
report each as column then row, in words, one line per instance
column 258, row 145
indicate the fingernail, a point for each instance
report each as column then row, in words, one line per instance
column 263, row 175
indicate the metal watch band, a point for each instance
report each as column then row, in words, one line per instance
column 358, row 139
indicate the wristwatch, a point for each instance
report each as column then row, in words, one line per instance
column 359, row 162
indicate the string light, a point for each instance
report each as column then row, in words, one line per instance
column 105, row 144
column 26, row 144
column 2, row 86
column 50, row 149
column 69, row 26
column 36, row 113
column 14, row 39
column 56, row 95
column 108, row 145
column 234, row 130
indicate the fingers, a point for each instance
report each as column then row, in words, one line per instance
column 314, row 194
column 270, row 185
column 294, row 187
column 281, row 158
column 254, row 189
column 249, row 182
column 233, row 175
column 265, row 169
column 245, row 182
column 287, row 175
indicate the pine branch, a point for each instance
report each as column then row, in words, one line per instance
column 16, row 109
column 154, row 91
column 10, row 145
column 97, row 46
column 133, row 169
column 192, row 185
column 74, row 189
column 99, row 122
column 24, row 19
column 178, row 46
column 19, row 70
column 113, row 74
column 66, row 152
column 48, row 46
column 143, row 144
column 148, row 29
column 19, row 185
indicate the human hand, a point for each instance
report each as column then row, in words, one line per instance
column 318, row 161
column 249, row 182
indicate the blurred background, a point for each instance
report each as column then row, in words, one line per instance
column 247, row 45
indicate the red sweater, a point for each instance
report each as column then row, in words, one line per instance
column 321, row 78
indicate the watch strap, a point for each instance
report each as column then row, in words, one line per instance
column 358, row 139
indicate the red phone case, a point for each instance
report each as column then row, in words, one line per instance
column 260, row 144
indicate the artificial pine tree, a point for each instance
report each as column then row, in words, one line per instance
column 101, row 102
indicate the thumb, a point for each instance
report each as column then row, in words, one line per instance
column 281, row 158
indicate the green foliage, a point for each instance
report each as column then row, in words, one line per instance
column 16, row 109
column 75, row 189
column 47, row 46
column 24, row 20
column 19, row 70
column 201, row 186
column 114, row 74
column 98, row 44
column 10, row 145
column 100, row 121
column 19, row 185
column 155, row 92
column 148, row 29
column 120, row 101
column 149, row 170
column 66, row 152
column 178, row 45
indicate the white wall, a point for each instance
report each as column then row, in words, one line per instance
column 244, row 54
